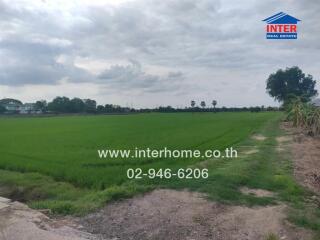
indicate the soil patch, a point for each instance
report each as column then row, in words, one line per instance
column 259, row 137
column 284, row 139
column 18, row 222
column 257, row 192
column 284, row 142
column 182, row 215
column 251, row 151
column 247, row 150
column 306, row 158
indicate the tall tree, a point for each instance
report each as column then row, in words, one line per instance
column 90, row 105
column 100, row 109
column 214, row 103
column 60, row 105
column 109, row 108
column 193, row 103
column 203, row 104
column 76, row 105
column 291, row 82
column 41, row 105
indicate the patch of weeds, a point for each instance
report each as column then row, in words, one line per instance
column 307, row 217
column 272, row 236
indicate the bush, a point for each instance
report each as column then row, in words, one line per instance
column 304, row 115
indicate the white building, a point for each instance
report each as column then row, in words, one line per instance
column 12, row 106
column 16, row 107
column 28, row 108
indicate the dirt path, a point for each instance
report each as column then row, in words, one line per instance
column 169, row 214
column 161, row 214
column 18, row 222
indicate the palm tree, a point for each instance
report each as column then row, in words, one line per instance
column 203, row 104
column 214, row 103
column 193, row 103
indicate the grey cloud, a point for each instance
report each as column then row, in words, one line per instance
column 160, row 32
column 30, row 75
column 132, row 77
column 41, row 73
column 189, row 34
column 30, row 43
column 33, row 61
column 208, row 41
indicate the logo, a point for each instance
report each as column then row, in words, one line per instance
column 281, row 26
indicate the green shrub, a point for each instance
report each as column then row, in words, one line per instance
column 304, row 115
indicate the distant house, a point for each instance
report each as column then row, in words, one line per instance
column 316, row 102
column 28, row 108
column 12, row 107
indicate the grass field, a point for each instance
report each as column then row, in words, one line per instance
column 53, row 162
column 66, row 147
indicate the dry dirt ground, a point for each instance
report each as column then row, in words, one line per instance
column 18, row 222
column 169, row 214
column 161, row 214
column 306, row 157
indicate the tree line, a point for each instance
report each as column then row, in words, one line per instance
column 65, row 105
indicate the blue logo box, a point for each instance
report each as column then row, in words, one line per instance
column 281, row 35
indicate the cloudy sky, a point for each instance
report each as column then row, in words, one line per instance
column 146, row 53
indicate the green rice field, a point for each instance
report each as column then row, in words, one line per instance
column 65, row 148
column 52, row 162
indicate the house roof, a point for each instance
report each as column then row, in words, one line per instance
column 281, row 18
